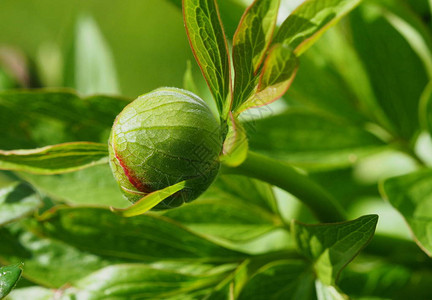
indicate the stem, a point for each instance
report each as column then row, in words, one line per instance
column 301, row 186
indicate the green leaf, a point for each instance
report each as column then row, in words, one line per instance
column 16, row 201
column 283, row 279
column 209, row 45
column 133, row 280
column 330, row 247
column 311, row 140
column 250, row 44
column 40, row 117
column 147, row 237
column 310, row 20
column 411, row 195
column 47, row 262
column 57, row 159
column 149, row 201
column 279, row 70
column 327, row 292
column 234, row 208
column 235, row 146
column 425, row 109
column 91, row 186
column 92, row 68
column 391, row 77
column 9, row 276
column 34, row 293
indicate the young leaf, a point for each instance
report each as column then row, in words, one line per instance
column 17, row 200
column 93, row 65
column 149, row 201
column 332, row 246
column 411, row 195
column 235, row 146
column 57, row 159
column 33, row 292
column 9, row 276
column 277, row 75
column 209, row 46
column 145, row 238
column 310, row 20
column 250, row 44
column 311, row 140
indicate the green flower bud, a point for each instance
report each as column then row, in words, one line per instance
column 163, row 138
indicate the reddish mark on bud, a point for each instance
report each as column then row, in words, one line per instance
column 131, row 177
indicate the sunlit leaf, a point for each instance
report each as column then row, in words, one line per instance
column 310, row 139
column 207, row 39
column 55, row 159
column 276, row 77
column 411, row 195
column 47, row 262
column 327, row 292
column 250, row 43
column 131, row 280
column 17, row 200
column 330, row 247
column 9, row 276
column 310, row 20
column 146, row 237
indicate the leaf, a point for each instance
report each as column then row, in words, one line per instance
column 9, row 276
column 209, row 46
column 92, row 69
column 250, row 44
column 34, row 293
column 144, row 238
column 234, row 208
column 57, row 159
column 39, row 118
column 16, row 201
column 47, row 262
column 411, row 195
column 332, row 246
column 133, row 280
column 327, row 292
column 312, row 140
column 279, row 70
column 425, row 109
column 235, row 146
column 91, row 186
column 283, row 279
column 391, row 77
column 149, row 201
column 310, row 20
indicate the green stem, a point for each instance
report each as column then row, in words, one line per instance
column 299, row 185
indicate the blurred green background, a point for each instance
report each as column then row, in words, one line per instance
column 147, row 38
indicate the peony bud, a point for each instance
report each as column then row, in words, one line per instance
column 162, row 138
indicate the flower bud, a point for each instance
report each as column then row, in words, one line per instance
column 162, row 138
